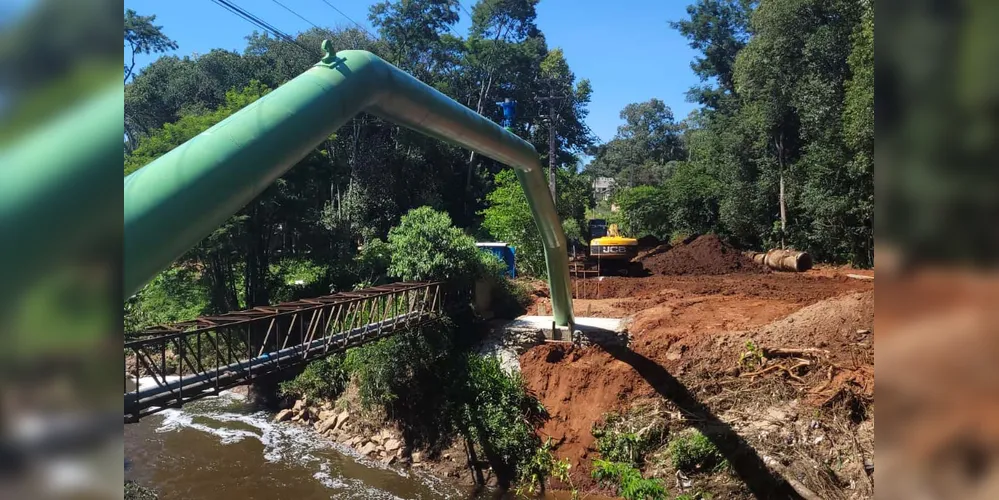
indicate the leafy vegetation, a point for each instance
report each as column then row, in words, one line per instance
column 173, row 295
column 628, row 481
column 543, row 465
column 426, row 246
column 642, row 212
column 627, row 438
column 508, row 217
column 780, row 152
column 322, row 379
column 499, row 415
column 509, row 298
column 752, row 357
column 692, row 451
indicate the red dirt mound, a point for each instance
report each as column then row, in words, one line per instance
column 706, row 254
column 696, row 328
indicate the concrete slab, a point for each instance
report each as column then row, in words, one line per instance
column 584, row 330
column 509, row 339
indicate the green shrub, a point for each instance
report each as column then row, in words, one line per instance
column 692, row 451
column 322, row 379
column 510, row 299
column 293, row 278
column 372, row 264
column 643, row 210
column 533, row 474
column 499, row 413
column 426, row 246
column 628, row 480
column 619, row 446
column 378, row 368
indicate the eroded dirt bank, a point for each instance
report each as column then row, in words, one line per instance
column 777, row 368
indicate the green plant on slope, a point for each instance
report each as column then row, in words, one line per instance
column 322, row 379
column 543, row 465
column 628, row 480
column 692, row 451
column 509, row 298
column 752, row 358
column 499, row 414
column 628, row 438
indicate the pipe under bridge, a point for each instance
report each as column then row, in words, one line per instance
column 167, row 366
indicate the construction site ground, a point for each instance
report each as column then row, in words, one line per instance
column 776, row 368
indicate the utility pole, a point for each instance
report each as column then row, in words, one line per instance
column 552, row 120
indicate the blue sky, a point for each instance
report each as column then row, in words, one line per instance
column 626, row 48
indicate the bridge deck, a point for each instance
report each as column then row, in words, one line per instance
column 170, row 365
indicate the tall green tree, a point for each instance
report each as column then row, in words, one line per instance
column 144, row 37
column 643, row 147
column 800, row 150
column 413, row 30
column 719, row 29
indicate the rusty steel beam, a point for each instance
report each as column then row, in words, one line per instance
column 237, row 351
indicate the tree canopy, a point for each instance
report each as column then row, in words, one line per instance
column 780, row 153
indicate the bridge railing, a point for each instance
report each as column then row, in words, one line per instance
column 170, row 365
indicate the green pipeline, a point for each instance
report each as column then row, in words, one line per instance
column 177, row 200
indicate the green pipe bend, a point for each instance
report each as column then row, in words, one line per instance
column 175, row 201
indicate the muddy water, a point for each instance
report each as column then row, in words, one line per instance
column 220, row 448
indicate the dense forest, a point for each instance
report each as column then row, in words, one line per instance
column 779, row 151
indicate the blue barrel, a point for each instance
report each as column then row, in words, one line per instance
column 505, row 253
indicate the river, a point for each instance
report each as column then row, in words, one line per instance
column 220, row 448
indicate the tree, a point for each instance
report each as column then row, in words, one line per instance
column 719, row 29
column 508, row 218
column 144, row 37
column 647, row 141
column 412, row 28
column 426, row 247
column 502, row 47
column 694, row 195
column 644, row 211
column 572, row 135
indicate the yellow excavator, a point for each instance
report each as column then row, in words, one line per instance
column 611, row 251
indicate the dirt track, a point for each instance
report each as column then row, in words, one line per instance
column 688, row 332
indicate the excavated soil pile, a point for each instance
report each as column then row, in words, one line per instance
column 787, row 287
column 706, row 254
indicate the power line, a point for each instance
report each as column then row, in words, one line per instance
column 349, row 19
column 464, row 9
column 285, row 7
column 254, row 20
column 260, row 23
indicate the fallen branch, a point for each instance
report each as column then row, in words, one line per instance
column 763, row 371
column 786, row 370
column 801, row 489
column 790, row 371
column 829, row 377
column 775, row 352
column 860, row 277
